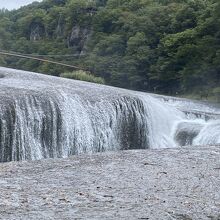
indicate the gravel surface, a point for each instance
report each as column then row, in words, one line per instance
column 151, row 184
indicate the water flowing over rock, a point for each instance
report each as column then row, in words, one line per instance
column 48, row 117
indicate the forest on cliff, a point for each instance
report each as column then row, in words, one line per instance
column 163, row 46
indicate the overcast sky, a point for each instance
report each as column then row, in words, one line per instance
column 14, row 4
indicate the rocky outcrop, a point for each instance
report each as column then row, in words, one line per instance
column 37, row 31
column 79, row 38
column 147, row 184
column 60, row 27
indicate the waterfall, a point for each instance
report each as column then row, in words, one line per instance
column 49, row 117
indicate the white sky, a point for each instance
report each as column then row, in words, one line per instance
column 14, row 4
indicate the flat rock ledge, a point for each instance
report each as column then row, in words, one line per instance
column 144, row 184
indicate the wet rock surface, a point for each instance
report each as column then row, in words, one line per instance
column 143, row 184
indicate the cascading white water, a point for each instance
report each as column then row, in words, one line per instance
column 161, row 119
column 209, row 134
column 43, row 116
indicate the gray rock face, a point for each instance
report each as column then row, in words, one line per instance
column 79, row 38
column 146, row 184
column 37, row 31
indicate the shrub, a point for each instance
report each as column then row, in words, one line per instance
column 216, row 92
column 83, row 76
